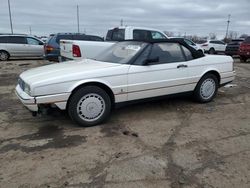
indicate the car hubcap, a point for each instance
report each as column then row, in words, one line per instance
column 3, row 56
column 207, row 88
column 91, row 107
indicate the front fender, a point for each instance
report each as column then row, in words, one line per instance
column 81, row 82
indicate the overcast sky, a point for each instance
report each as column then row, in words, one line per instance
column 199, row 17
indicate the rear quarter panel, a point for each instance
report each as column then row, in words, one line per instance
column 219, row 63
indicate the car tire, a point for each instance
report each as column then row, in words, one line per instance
column 89, row 106
column 243, row 59
column 206, row 89
column 211, row 51
column 4, row 56
column 200, row 51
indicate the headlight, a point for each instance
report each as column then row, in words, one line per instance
column 27, row 88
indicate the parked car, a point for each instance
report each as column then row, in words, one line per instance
column 52, row 47
column 127, row 71
column 244, row 50
column 44, row 38
column 214, row 46
column 82, row 49
column 19, row 46
column 192, row 44
column 233, row 47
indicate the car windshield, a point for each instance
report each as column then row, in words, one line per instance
column 121, row 52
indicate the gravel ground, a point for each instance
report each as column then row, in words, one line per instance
column 169, row 143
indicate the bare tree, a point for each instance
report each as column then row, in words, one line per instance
column 195, row 38
column 169, row 33
column 232, row 35
column 212, row 36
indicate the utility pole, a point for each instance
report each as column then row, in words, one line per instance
column 10, row 17
column 30, row 31
column 121, row 22
column 228, row 22
column 78, row 29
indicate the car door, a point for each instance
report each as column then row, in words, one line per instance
column 16, row 46
column 165, row 73
column 34, row 47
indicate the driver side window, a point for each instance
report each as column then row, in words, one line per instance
column 167, row 53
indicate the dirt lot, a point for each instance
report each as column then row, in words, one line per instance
column 168, row 143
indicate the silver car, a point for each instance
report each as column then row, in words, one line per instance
column 20, row 46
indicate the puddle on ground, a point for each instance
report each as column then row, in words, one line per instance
column 47, row 137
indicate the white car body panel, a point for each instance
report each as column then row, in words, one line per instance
column 53, row 84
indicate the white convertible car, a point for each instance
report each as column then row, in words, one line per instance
column 127, row 71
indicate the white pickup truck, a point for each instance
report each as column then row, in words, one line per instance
column 74, row 49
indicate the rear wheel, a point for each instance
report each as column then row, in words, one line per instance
column 89, row 106
column 4, row 56
column 206, row 88
column 211, row 51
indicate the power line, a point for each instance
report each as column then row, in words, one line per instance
column 10, row 17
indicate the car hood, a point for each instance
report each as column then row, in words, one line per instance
column 65, row 71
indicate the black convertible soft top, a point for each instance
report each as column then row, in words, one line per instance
column 195, row 53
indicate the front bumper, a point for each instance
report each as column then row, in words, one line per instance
column 28, row 101
column 33, row 103
column 51, row 57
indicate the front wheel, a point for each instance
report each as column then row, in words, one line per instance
column 206, row 88
column 89, row 106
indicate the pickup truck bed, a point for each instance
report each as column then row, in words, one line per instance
column 88, row 49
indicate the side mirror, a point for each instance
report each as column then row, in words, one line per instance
column 41, row 43
column 151, row 60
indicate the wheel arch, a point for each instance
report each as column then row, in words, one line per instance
column 102, row 85
column 214, row 72
column 3, row 50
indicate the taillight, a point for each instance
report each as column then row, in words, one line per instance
column 48, row 48
column 76, row 51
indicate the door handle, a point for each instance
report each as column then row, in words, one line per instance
column 182, row 66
